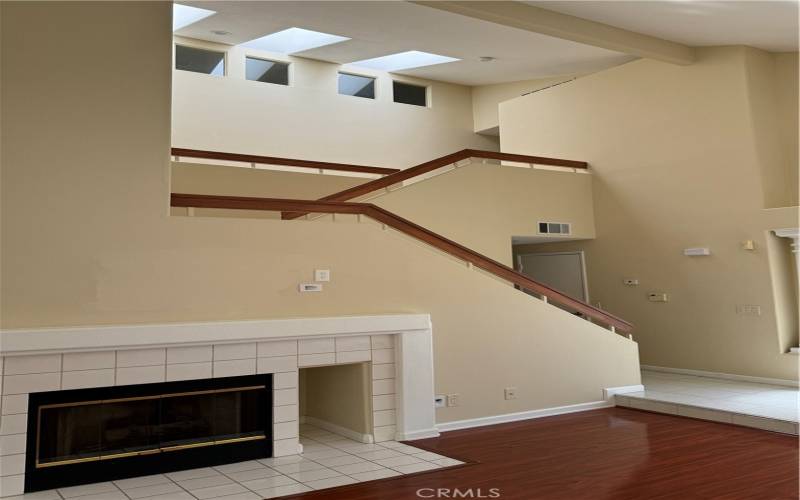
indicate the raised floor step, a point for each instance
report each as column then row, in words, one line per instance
column 762, row 406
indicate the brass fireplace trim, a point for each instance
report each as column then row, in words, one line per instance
column 150, row 451
column 156, row 396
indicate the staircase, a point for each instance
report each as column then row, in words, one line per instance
column 339, row 203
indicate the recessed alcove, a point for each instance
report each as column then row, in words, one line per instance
column 338, row 398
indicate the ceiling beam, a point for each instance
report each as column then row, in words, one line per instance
column 538, row 20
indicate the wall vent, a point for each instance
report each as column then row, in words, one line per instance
column 555, row 228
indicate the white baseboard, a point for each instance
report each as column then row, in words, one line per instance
column 523, row 415
column 338, row 429
column 609, row 392
column 410, row 436
column 725, row 376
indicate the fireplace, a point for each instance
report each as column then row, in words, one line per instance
column 90, row 435
column 112, row 360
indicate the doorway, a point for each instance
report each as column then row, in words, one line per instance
column 564, row 271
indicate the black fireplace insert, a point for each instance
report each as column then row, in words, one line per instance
column 89, row 435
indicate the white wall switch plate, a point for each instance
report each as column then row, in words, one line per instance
column 322, row 275
column 658, row 297
column 631, row 281
column 310, row 287
column 696, row 252
column 510, row 393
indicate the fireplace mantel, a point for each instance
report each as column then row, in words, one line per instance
column 117, row 337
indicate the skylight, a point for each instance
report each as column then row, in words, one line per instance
column 293, row 40
column 184, row 15
column 404, row 60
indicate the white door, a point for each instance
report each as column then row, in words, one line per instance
column 564, row 271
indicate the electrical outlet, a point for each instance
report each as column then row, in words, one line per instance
column 452, row 399
column 511, row 393
column 322, row 275
column 748, row 310
column 658, row 297
column 439, row 401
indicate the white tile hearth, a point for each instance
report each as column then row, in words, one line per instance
column 353, row 462
column 763, row 406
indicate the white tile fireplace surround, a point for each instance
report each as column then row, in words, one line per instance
column 398, row 347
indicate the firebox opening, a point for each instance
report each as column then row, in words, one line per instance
column 87, row 435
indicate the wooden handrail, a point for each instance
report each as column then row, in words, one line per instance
column 428, row 166
column 273, row 160
column 406, row 227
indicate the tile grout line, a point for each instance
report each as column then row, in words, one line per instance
column 61, row 370
column 240, row 483
column 118, row 488
column 190, row 491
column 179, row 486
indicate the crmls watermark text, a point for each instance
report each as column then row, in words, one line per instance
column 458, row 493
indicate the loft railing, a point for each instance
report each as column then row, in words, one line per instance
column 409, row 228
column 273, row 160
column 429, row 166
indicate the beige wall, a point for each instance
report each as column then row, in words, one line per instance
column 199, row 178
column 87, row 239
column 309, row 120
column 772, row 95
column 678, row 162
column 482, row 206
column 786, row 94
column 195, row 178
column 478, row 205
column 341, row 395
column 487, row 98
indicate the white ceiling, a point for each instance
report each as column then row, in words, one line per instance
column 768, row 25
column 379, row 28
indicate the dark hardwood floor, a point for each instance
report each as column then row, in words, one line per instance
column 614, row 453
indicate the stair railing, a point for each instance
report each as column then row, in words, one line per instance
column 429, row 166
column 409, row 228
column 179, row 153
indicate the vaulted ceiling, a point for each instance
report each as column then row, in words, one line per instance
column 378, row 28
column 767, row 25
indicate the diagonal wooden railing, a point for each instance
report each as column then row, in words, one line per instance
column 274, row 160
column 429, row 166
column 409, row 228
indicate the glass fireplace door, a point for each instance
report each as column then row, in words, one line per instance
column 85, row 431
